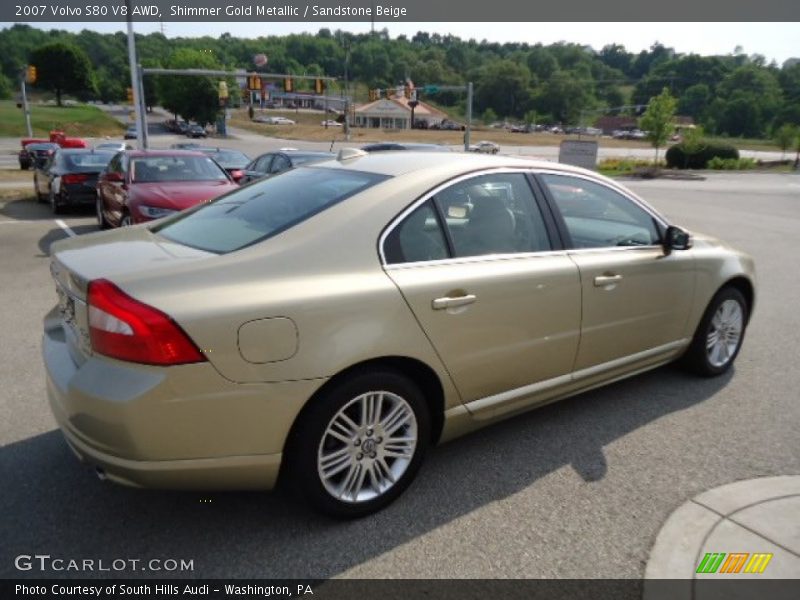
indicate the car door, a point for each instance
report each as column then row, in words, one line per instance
column 499, row 300
column 636, row 296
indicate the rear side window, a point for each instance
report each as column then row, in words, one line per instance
column 258, row 211
column 418, row 238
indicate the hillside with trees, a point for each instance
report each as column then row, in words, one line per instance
column 733, row 95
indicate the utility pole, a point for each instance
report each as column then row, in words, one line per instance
column 25, row 108
column 141, row 140
column 469, row 118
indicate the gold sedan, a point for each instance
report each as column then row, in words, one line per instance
column 329, row 324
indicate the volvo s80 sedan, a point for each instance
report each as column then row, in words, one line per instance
column 329, row 324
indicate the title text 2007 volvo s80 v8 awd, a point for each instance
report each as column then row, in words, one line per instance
column 332, row 322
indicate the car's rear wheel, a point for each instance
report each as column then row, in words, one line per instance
column 719, row 336
column 39, row 196
column 57, row 204
column 360, row 444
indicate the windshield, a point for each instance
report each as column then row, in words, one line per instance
column 175, row 168
column 265, row 208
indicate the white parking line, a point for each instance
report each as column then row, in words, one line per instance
column 65, row 227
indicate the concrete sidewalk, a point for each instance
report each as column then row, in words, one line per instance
column 754, row 517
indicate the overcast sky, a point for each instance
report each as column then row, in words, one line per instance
column 776, row 41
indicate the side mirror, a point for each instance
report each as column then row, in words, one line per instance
column 677, row 239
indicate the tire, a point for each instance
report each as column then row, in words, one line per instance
column 57, row 207
column 101, row 218
column 39, row 197
column 365, row 472
column 719, row 335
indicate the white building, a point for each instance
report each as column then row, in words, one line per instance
column 395, row 113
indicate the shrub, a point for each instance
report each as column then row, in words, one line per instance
column 731, row 164
column 679, row 158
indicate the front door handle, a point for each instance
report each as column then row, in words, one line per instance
column 604, row 280
column 447, row 302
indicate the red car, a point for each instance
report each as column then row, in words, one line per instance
column 140, row 186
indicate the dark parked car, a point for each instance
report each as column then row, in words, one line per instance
column 140, row 185
column 34, row 155
column 384, row 146
column 196, row 131
column 233, row 161
column 273, row 163
column 69, row 177
column 131, row 133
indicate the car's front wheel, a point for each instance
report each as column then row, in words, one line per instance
column 360, row 444
column 719, row 336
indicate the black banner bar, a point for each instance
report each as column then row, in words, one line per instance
column 388, row 11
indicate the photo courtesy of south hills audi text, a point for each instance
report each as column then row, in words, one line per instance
column 144, row 590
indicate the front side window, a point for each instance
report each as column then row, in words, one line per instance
column 597, row 216
column 493, row 214
column 263, row 209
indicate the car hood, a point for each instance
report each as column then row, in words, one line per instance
column 178, row 195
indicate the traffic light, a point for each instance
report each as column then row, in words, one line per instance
column 254, row 82
column 407, row 91
column 30, row 74
column 130, row 95
column 288, row 84
column 319, row 86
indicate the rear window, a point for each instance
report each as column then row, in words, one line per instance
column 265, row 208
column 87, row 160
column 175, row 168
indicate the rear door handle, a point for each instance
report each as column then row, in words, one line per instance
column 604, row 280
column 447, row 302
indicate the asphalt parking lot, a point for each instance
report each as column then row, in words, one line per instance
column 578, row 489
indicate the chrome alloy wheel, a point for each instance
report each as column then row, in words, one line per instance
column 367, row 447
column 725, row 333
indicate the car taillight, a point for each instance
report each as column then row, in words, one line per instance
column 124, row 328
column 74, row 178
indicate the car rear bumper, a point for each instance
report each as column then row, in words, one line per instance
column 182, row 427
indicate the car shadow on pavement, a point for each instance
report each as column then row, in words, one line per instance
column 53, row 505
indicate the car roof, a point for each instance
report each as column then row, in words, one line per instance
column 453, row 163
column 41, row 145
column 64, row 151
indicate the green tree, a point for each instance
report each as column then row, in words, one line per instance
column 489, row 116
column 192, row 97
column 785, row 136
column 5, row 87
column 63, row 68
column 657, row 119
column 503, row 86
